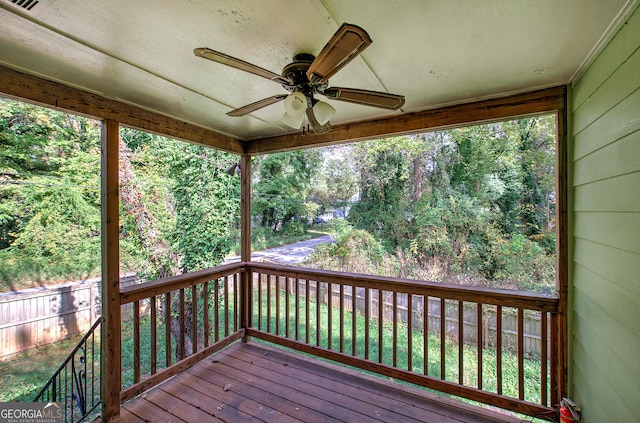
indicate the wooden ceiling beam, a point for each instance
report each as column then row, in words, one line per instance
column 530, row 103
column 37, row 90
column 51, row 94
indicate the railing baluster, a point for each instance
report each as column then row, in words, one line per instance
column 409, row 332
column 260, row 275
column 380, row 325
column 354, row 307
column 268, row 303
column 425, row 333
column 69, row 398
column 544, row 333
column 480, row 343
column 154, row 347
column 555, row 395
column 66, row 393
column 394, row 307
column 329, row 315
column 236, row 290
column 93, row 367
column 443, row 337
column 167, row 328
column 499, row 349
column 461, row 342
column 297, row 289
column 520, row 353
column 226, row 306
column 136, row 341
column 277, row 291
column 84, row 380
column 205, row 313
column 216, row 316
column 287, row 282
column 194, row 319
column 307, row 289
column 341, row 318
column 318, row 313
column 367, row 321
column 182, row 325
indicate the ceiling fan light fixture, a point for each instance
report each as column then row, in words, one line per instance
column 295, row 104
column 323, row 112
column 293, row 121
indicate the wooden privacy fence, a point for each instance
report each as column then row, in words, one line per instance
column 39, row 316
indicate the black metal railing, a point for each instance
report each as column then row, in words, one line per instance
column 76, row 383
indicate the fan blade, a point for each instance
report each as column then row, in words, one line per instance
column 225, row 59
column 366, row 97
column 257, row 105
column 344, row 46
column 317, row 128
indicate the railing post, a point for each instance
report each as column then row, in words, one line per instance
column 245, row 242
column 111, row 326
column 562, row 253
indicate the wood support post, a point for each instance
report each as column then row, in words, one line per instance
column 111, row 326
column 562, row 255
column 245, row 241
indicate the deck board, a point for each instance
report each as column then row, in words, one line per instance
column 265, row 384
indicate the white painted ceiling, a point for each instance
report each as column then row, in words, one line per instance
column 434, row 52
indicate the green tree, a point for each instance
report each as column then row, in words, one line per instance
column 282, row 184
column 383, row 207
column 194, row 204
column 341, row 180
column 207, row 206
column 49, row 194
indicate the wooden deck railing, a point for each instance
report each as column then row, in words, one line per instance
column 453, row 339
column 415, row 331
column 187, row 318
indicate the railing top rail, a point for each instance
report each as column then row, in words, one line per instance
column 138, row 292
column 484, row 295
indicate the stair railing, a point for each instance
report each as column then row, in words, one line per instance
column 76, row 383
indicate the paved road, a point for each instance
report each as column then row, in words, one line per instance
column 288, row 254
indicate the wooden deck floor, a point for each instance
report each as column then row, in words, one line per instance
column 253, row 382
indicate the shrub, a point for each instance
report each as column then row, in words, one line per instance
column 294, row 228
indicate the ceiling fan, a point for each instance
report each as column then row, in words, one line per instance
column 308, row 75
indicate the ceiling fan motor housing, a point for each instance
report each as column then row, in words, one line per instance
column 296, row 72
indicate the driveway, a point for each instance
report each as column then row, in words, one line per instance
column 288, row 254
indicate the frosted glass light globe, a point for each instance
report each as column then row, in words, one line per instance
column 295, row 104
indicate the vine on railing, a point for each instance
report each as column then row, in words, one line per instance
column 76, row 383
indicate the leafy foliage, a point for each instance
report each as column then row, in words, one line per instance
column 207, row 207
column 50, row 198
column 49, row 194
column 469, row 205
column 281, row 188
